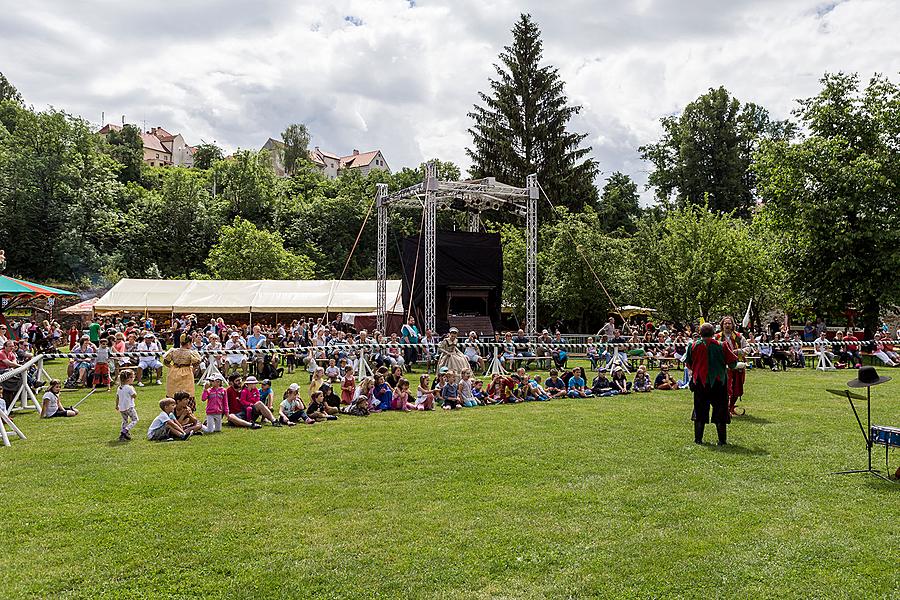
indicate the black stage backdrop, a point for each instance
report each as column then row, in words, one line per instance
column 462, row 259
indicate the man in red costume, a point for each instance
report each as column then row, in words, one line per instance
column 735, row 342
column 708, row 361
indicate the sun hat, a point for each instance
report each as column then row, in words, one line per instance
column 453, row 330
column 148, row 335
column 251, row 379
column 867, row 377
column 266, row 382
column 444, row 370
column 294, row 387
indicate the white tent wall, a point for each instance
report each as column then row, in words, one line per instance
column 257, row 296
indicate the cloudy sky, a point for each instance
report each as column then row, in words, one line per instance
column 401, row 75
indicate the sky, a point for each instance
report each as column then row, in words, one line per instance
column 401, row 75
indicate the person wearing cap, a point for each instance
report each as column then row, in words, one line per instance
column 602, row 386
column 236, row 361
column 450, row 354
column 708, row 361
column 149, row 362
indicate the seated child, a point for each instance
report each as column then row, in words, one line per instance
column 620, row 383
column 465, row 389
column 164, row 427
column 318, row 409
column 554, row 386
column 400, row 400
column 537, row 390
column 642, row 381
column 478, row 391
column 425, row 394
column 450, row 392
column 576, row 385
column 184, row 415
column 664, row 381
column 265, row 393
column 332, row 372
column 601, row 385
column 291, row 409
column 50, row 406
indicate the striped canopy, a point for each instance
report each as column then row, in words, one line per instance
column 10, row 286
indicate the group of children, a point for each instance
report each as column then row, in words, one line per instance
column 246, row 402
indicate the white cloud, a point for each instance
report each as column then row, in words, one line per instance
column 401, row 76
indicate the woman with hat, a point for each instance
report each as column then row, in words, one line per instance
column 450, row 354
column 181, row 363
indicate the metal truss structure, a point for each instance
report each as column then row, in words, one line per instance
column 472, row 196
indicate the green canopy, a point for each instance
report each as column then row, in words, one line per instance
column 19, row 291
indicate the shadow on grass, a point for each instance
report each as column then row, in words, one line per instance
column 736, row 449
column 751, row 419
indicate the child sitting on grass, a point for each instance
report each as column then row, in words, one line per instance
column 642, row 381
column 602, row 386
column 164, row 427
column 478, row 392
column 664, row 381
column 317, row 409
column 265, row 393
column 332, row 372
column 184, row 415
column 450, row 392
column 125, row 405
column 554, row 386
column 465, row 389
column 50, row 407
column 291, row 410
column 425, row 394
column 577, row 385
column 620, row 383
column 400, row 400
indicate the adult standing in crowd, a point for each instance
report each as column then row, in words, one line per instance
column 181, row 362
column 409, row 334
column 708, row 361
column 735, row 342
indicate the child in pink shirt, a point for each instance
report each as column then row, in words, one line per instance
column 216, row 404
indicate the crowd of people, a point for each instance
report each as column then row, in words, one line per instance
column 238, row 384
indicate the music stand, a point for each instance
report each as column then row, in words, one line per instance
column 867, row 377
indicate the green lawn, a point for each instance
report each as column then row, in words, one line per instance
column 572, row 498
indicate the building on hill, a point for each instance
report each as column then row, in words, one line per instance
column 328, row 163
column 182, row 155
column 161, row 148
column 155, row 154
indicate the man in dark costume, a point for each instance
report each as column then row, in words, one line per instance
column 708, row 361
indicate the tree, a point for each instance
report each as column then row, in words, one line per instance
column 206, row 155
column 832, row 199
column 698, row 262
column 246, row 252
column 127, row 148
column 619, row 205
column 406, row 177
column 521, row 127
column 248, row 185
column 9, row 92
column 296, row 146
column 573, row 255
column 708, row 149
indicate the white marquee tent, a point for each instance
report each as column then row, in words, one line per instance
column 248, row 296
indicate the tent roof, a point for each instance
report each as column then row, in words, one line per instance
column 82, row 308
column 10, row 286
column 242, row 296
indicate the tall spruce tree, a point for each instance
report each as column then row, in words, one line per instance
column 521, row 127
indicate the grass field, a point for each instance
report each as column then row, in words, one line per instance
column 571, row 498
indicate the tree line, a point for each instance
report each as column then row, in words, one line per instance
column 801, row 214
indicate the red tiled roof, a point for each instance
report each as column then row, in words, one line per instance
column 152, row 142
column 109, row 127
column 358, row 160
